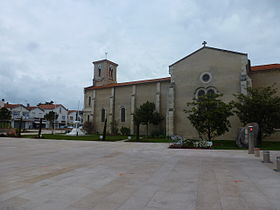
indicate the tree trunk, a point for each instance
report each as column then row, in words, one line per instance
column 260, row 137
column 52, row 122
column 147, row 131
column 20, row 126
column 104, row 130
column 209, row 134
column 40, row 128
column 137, row 131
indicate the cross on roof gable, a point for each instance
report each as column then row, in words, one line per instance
column 211, row 48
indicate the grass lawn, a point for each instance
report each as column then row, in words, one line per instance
column 78, row 138
column 217, row 144
column 228, row 144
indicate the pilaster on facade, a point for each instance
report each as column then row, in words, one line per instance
column 171, row 69
column 111, row 110
column 170, row 115
column 158, row 97
column 93, row 104
column 132, row 107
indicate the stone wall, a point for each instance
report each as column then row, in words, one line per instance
column 225, row 69
column 129, row 97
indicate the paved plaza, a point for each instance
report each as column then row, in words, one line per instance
column 58, row 175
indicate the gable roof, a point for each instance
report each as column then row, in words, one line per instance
column 33, row 107
column 267, row 67
column 12, row 106
column 50, row 106
column 128, row 83
column 212, row 48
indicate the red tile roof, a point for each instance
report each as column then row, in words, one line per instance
column 11, row 106
column 33, row 107
column 50, row 106
column 70, row 111
column 128, row 83
column 268, row 67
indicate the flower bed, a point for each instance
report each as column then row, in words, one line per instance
column 182, row 143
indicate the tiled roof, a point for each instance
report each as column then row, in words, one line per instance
column 33, row 107
column 50, row 106
column 268, row 67
column 70, row 111
column 128, row 83
column 11, row 106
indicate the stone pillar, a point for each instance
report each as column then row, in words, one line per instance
column 111, row 110
column 158, row 97
column 170, row 115
column 133, row 106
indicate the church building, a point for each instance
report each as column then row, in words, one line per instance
column 206, row 70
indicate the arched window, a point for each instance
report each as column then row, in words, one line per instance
column 211, row 90
column 89, row 101
column 88, row 118
column 99, row 70
column 200, row 92
column 103, row 114
column 203, row 91
column 122, row 114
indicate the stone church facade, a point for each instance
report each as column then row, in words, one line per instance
column 204, row 71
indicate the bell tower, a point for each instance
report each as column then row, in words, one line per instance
column 104, row 73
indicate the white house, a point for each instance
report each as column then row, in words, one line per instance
column 60, row 110
column 19, row 113
column 35, row 114
column 74, row 115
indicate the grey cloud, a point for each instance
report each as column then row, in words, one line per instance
column 47, row 46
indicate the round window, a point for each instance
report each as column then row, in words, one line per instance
column 205, row 77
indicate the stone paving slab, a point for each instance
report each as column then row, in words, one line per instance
column 72, row 175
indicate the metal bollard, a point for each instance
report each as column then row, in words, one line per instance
column 257, row 152
column 250, row 140
column 277, row 164
column 266, row 157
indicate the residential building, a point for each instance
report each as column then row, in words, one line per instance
column 35, row 114
column 19, row 114
column 74, row 115
column 60, row 110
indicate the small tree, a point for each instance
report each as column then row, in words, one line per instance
column 5, row 114
column 5, row 117
column 125, row 131
column 146, row 114
column 88, row 127
column 51, row 117
column 209, row 116
column 262, row 106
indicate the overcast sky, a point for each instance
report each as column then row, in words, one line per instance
column 47, row 46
